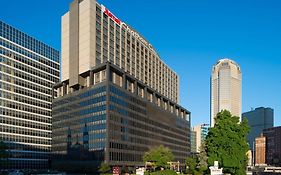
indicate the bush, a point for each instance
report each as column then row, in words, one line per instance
column 164, row 172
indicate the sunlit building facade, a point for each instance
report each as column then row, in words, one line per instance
column 28, row 71
column 226, row 89
column 117, row 99
column 201, row 132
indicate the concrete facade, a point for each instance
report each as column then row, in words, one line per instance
column 201, row 132
column 92, row 35
column 226, row 89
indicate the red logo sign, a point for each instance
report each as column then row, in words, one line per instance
column 108, row 13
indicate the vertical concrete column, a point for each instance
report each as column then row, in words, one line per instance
column 173, row 107
column 91, row 78
column 145, row 93
column 74, row 43
column 107, row 72
column 63, row 88
column 162, row 103
column 154, row 99
column 135, row 87
column 124, row 81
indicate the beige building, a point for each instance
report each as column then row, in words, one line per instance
column 226, row 91
column 201, row 132
column 260, row 150
column 92, row 35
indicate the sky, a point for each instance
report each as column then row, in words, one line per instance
column 190, row 36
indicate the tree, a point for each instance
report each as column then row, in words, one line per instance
column 104, row 168
column 3, row 154
column 202, row 159
column 191, row 163
column 197, row 164
column 226, row 142
column 159, row 157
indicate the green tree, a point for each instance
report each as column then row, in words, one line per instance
column 191, row 163
column 202, row 164
column 3, row 154
column 226, row 142
column 159, row 157
column 104, row 168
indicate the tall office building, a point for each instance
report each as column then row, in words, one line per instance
column 273, row 146
column 226, row 92
column 117, row 98
column 201, row 132
column 258, row 120
column 28, row 71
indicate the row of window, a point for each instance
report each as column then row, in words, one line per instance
column 27, row 125
column 150, row 125
column 119, row 133
column 23, row 139
column 16, row 36
column 28, row 155
column 123, row 103
column 24, row 108
column 23, row 99
column 116, row 145
column 128, row 157
column 24, row 115
column 24, row 131
column 27, row 164
column 25, row 147
column 126, row 96
column 25, row 76
column 24, row 83
column 87, row 94
column 30, row 70
column 29, row 62
column 151, row 67
column 22, row 91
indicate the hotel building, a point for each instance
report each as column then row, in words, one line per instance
column 226, row 89
column 28, row 71
column 117, row 98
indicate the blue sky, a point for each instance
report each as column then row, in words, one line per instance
column 190, row 36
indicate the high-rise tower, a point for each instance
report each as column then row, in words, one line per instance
column 114, row 86
column 226, row 92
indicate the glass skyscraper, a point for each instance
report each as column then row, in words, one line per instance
column 28, row 70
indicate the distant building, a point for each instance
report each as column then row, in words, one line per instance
column 201, row 132
column 273, row 145
column 260, row 150
column 226, row 89
column 259, row 119
column 193, row 141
